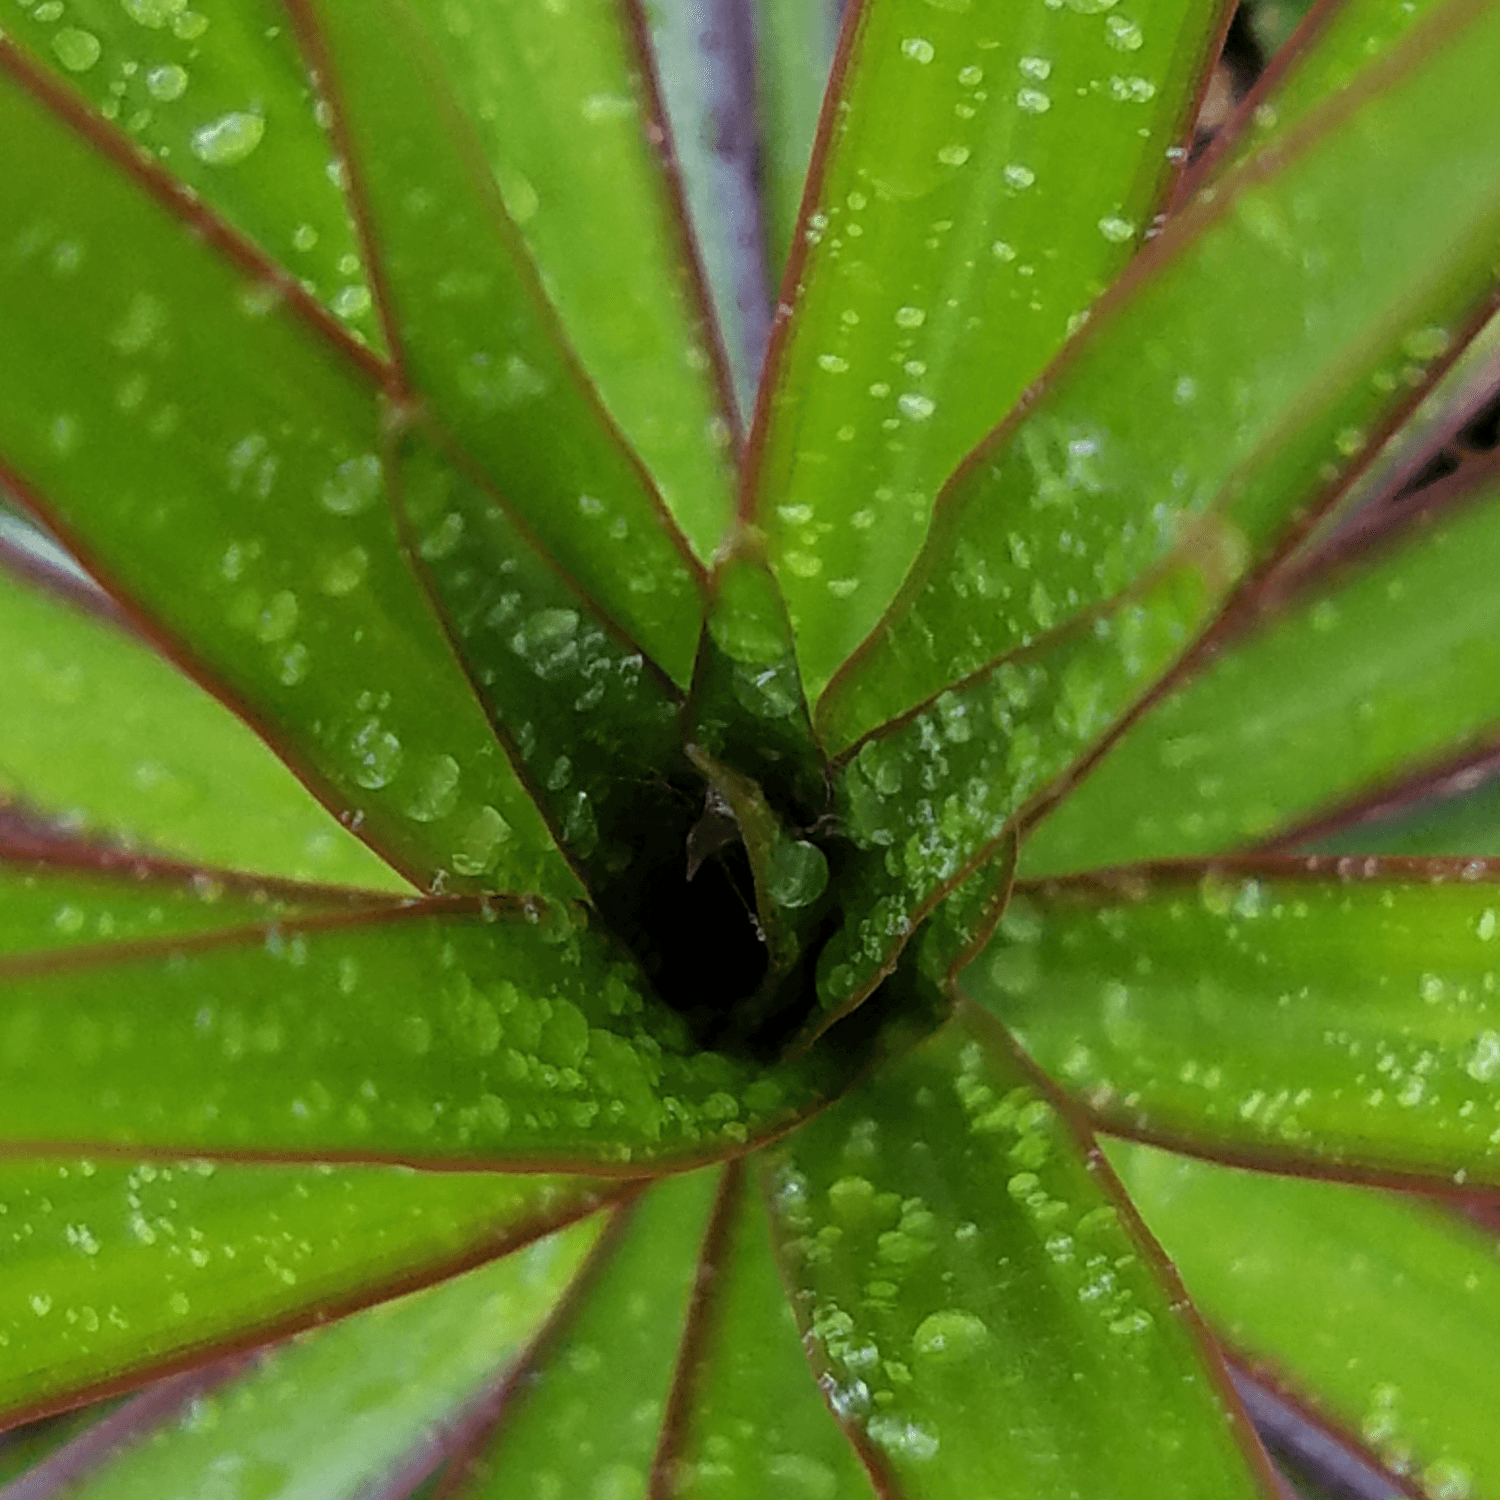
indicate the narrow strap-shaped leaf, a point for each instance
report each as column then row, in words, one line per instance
column 221, row 96
column 54, row 906
column 581, row 1416
column 115, row 1270
column 209, row 792
column 1173, row 411
column 1365, row 679
column 1334, row 1013
column 795, row 40
column 951, row 244
column 503, row 1036
column 332, row 1413
column 1456, row 813
column 932, row 802
column 473, row 332
column 747, row 1418
column 588, row 717
column 1362, row 1303
column 563, row 110
column 215, row 452
column 977, row 1303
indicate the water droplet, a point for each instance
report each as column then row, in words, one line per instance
column 153, row 13
column 436, row 793
column 229, row 139
column 377, row 755
column 910, row 317
column 953, row 155
column 1123, row 34
column 1017, row 176
column 76, row 50
column 1115, row 229
column 918, row 49
column 278, row 619
column 949, row 1336
column 1033, row 101
column 1426, row 343
column 832, row 363
column 1483, row 1063
column 479, row 845
column 916, row 407
column 343, row 574
column 351, row 302
column 354, row 486
column 797, row 873
column 167, row 82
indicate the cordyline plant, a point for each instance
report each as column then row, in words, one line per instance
column 684, row 903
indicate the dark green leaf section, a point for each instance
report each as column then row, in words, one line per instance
column 568, row 128
column 1339, row 1013
column 1250, row 420
column 1391, row 667
column 753, row 1421
column 1463, row 818
column 795, row 47
column 478, row 339
column 208, row 792
column 23, row 1448
column 1381, row 1310
column 505, row 1038
column 747, row 705
column 955, row 240
column 585, row 1413
column 114, row 1268
column 51, row 908
column 590, row 720
column 336, row 1412
column 929, row 801
column 221, row 97
column 975, row 1303
column 219, row 459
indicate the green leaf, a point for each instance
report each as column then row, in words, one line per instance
column 1360, row 682
column 215, row 450
column 475, row 336
column 208, row 792
column 974, row 1301
column 222, row 96
column 334, row 1413
column 505, row 1036
column 1460, row 818
column 795, row 47
column 1235, row 428
column 751, row 1420
column 113, row 1269
column 583, row 1414
column 1366, row 1304
column 953, row 242
column 1265, row 1010
column 561, row 106
column 52, row 907
column 591, row 721
column 933, row 801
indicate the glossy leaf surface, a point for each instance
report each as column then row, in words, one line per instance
column 209, row 792
column 584, row 1415
column 219, row 455
column 222, row 96
column 753, row 1421
column 330, row 1415
column 565, row 117
column 1260, row 1009
column 954, row 243
column 1234, row 426
column 480, row 342
column 1364, row 1303
column 1359, row 681
column 490, row 1038
column 974, row 1302
column 112, row 1268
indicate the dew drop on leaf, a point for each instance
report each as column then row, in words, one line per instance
column 229, row 139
